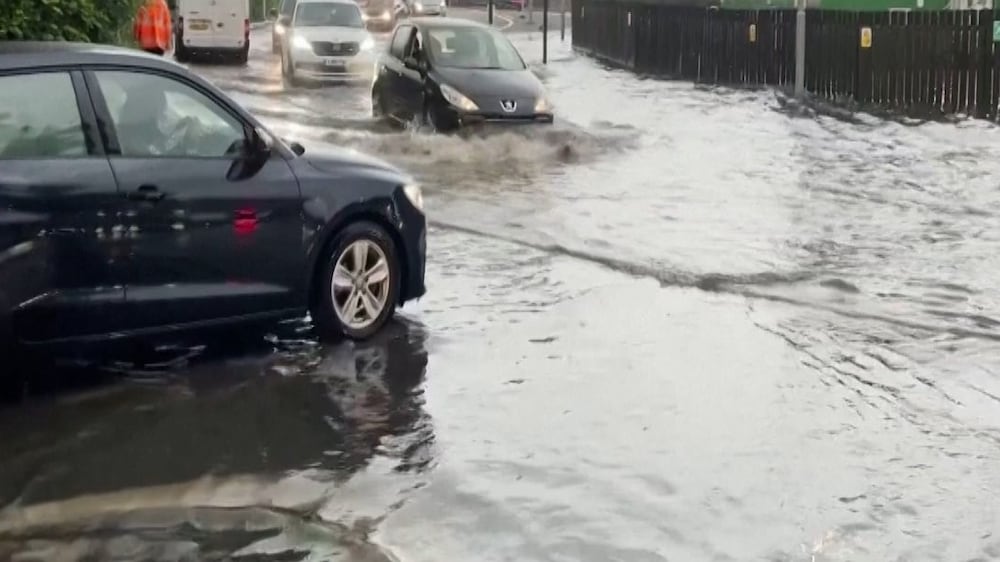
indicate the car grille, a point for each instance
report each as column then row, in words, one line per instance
column 328, row 49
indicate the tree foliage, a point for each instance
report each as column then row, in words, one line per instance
column 95, row 21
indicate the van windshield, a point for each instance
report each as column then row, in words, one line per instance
column 328, row 14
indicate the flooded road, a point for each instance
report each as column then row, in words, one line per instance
column 679, row 324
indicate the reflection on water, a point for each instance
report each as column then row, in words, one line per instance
column 238, row 448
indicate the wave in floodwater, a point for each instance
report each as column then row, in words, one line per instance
column 480, row 157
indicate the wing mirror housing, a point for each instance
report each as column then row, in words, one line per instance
column 297, row 148
column 414, row 64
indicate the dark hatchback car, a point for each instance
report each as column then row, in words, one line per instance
column 137, row 198
column 445, row 73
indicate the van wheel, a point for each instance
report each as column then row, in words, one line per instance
column 244, row 56
column 358, row 285
column 288, row 71
column 378, row 106
column 180, row 51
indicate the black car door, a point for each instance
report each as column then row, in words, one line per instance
column 61, row 264
column 411, row 80
column 210, row 238
column 391, row 71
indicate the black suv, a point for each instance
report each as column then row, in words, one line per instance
column 136, row 198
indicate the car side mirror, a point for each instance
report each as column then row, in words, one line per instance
column 254, row 154
column 413, row 63
column 297, row 148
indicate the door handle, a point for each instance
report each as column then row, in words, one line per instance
column 146, row 193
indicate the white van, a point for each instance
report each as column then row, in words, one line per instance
column 212, row 27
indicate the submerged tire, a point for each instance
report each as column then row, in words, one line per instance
column 358, row 284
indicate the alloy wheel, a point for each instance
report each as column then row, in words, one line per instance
column 360, row 285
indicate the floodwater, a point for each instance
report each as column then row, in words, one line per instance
column 680, row 324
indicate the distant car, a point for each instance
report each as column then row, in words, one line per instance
column 380, row 15
column 417, row 8
column 136, row 198
column 212, row 27
column 282, row 16
column 446, row 73
column 327, row 40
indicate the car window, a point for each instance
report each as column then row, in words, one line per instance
column 400, row 41
column 287, row 7
column 39, row 117
column 159, row 116
column 328, row 14
column 464, row 47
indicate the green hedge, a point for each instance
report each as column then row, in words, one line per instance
column 95, row 21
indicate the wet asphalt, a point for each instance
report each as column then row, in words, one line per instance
column 680, row 324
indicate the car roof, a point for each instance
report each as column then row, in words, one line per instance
column 41, row 54
column 430, row 22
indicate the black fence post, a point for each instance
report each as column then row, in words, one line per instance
column 863, row 91
column 545, row 31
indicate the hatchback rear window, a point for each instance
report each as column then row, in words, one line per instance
column 39, row 117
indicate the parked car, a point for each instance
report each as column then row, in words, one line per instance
column 380, row 15
column 212, row 27
column 282, row 17
column 416, row 8
column 327, row 40
column 445, row 73
column 136, row 198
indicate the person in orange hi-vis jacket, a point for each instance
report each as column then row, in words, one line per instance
column 153, row 27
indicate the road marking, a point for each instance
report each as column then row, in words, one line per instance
column 510, row 22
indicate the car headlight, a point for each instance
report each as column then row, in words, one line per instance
column 456, row 98
column 368, row 44
column 279, row 29
column 418, row 6
column 415, row 195
column 386, row 16
column 300, row 42
column 543, row 105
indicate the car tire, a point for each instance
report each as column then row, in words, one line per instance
column 378, row 107
column 180, row 51
column 244, row 56
column 358, row 283
column 288, row 71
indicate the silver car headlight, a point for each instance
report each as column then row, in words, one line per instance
column 301, row 43
column 415, row 195
column 368, row 44
column 458, row 99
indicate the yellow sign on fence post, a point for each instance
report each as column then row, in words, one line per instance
column 866, row 38
column 753, row 33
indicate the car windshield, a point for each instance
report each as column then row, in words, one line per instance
column 472, row 47
column 328, row 14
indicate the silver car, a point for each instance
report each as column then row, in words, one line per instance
column 428, row 7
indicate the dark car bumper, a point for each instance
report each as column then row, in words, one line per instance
column 413, row 228
column 478, row 118
column 450, row 116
